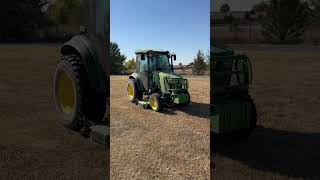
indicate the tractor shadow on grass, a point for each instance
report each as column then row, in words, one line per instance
column 282, row 152
column 194, row 109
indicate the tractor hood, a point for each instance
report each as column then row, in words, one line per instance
column 170, row 82
column 170, row 75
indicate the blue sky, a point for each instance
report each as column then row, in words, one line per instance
column 180, row 26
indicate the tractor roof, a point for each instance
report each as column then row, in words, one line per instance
column 144, row 51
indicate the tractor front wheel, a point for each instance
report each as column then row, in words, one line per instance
column 245, row 134
column 155, row 102
column 188, row 100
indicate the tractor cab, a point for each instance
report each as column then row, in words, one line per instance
column 151, row 62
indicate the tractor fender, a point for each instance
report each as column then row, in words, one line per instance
column 137, row 78
column 93, row 55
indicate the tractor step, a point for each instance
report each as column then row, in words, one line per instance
column 143, row 104
column 100, row 134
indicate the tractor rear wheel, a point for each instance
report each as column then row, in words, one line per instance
column 73, row 98
column 155, row 102
column 69, row 84
column 133, row 91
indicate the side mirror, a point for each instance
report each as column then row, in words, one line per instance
column 174, row 57
column 143, row 57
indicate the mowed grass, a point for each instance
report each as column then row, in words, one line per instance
column 286, row 89
column 173, row 144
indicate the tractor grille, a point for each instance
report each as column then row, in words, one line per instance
column 237, row 77
column 231, row 72
column 177, row 84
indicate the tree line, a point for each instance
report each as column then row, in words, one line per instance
column 121, row 65
column 22, row 19
column 282, row 21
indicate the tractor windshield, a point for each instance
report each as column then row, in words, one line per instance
column 160, row 62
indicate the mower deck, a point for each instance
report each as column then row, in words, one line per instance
column 143, row 104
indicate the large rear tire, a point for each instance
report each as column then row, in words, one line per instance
column 188, row 101
column 75, row 102
column 132, row 91
column 69, row 84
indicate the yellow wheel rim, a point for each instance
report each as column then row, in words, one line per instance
column 153, row 103
column 130, row 91
column 65, row 93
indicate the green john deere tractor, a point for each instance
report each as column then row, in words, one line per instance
column 232, row 109
column 154, row 84
column 81, row 82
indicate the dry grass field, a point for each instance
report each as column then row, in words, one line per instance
column 169, row 145
column 173, row 144
column 286, row 145
column 33, row 145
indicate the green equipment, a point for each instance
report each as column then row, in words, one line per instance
column 154, row 83
column 232, row 110
column 81, row 80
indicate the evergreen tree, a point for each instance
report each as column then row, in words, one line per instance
column 117, row 59
column 199, row 65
